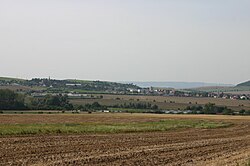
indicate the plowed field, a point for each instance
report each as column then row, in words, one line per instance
column 221, row 146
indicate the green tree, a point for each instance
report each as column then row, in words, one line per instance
column 10, row 100
column 242, row 112
column 247, row 112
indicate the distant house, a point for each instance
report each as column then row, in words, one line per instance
column 134, row 90
column 73, row 84
column 235, row 97
column 77, row 95
column 105, row 111
column 243, row 97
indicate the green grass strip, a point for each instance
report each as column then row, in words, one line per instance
column 79, row 128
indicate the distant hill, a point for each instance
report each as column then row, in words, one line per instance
column 11, row 79
column 177, row 85
column 247, row 83
column 242, row 88
column 65, row 86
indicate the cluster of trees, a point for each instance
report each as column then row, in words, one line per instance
column 10, row 100
column 137, row 106
column 97, row 106
column 244, row 112
column 7, row 81
column 211, row 108
column 49, row 102
column 195, row 108
column 93, row 106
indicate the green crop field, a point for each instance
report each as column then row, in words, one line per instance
column 77, row 128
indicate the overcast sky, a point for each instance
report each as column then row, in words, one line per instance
column 126, row 40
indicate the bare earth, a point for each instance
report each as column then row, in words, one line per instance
column 223, row 146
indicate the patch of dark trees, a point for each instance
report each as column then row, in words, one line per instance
column 10, row 100
column 49, row 102
column 211, row 108
column 93, row 106
column 136, row 106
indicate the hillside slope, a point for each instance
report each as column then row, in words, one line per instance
column 177, row 85
column 247, row 83
column 53, row 85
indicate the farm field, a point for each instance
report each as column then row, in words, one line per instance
column 165, row 102
column 236, row 89
column 195, row 145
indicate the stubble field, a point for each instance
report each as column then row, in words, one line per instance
column 180, row 146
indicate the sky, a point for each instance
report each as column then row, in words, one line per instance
column 126, row 40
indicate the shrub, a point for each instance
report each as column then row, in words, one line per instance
column 247, row 112
column 242, row 112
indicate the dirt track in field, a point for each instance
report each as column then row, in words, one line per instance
column 224, row 146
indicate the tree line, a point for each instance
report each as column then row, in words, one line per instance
column 211, row 108
column 10, row 100
column 136, row 106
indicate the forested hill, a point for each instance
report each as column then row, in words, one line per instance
column 68, row 85
column 247, row 83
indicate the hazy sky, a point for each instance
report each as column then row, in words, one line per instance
column 121, row 40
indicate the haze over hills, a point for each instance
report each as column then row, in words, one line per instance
column 177, row 85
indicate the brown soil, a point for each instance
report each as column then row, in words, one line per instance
column 223, row 146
